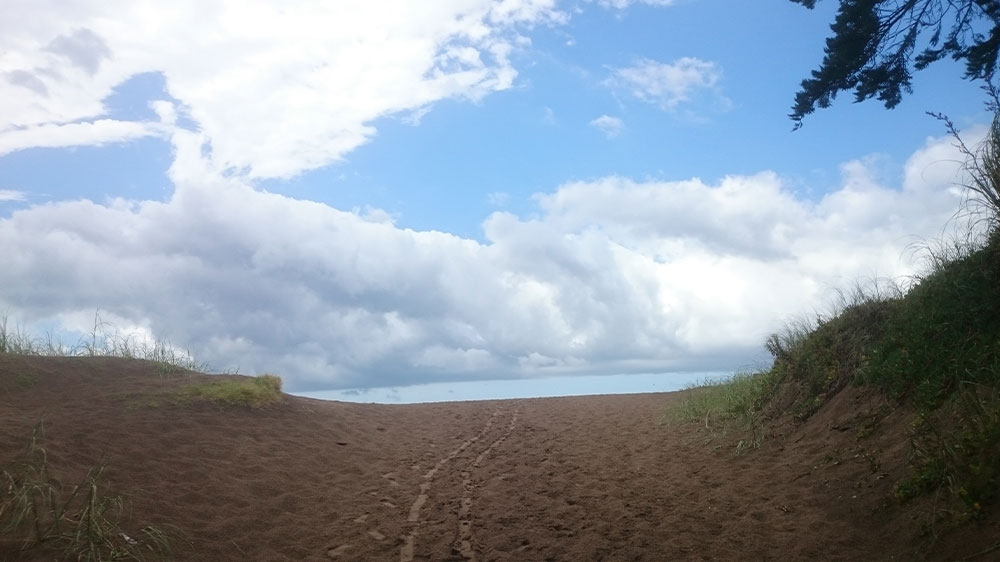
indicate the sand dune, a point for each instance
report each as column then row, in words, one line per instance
column 555, row 479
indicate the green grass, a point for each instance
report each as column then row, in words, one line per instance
column 251, row 392
column 24, row 381
column 80, row 522
column 944, row 333
column 734, row 406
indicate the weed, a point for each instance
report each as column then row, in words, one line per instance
column 81, row 523
column 982, row 169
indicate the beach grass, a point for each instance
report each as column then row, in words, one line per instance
column 734, row 406
column 250, row 392
column 82, row 522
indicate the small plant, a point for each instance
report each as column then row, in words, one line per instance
column 81, row 523
column 252, row 392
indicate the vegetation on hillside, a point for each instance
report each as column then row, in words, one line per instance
column 103, row 341
column 933, row 349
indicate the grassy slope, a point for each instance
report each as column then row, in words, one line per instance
column 933, row 352
column 84, row 521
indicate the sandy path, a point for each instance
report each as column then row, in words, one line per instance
column 601, row 478
column 547, row 480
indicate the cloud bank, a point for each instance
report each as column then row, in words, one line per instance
column 277, row 88
column 610, row 275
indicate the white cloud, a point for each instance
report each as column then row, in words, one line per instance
column 623, row 4
column 102, row 131
column 669, row 85
column 277, row 88
column 498, row 198
column 610, row 126
column 610, row 275
column 548, row 116
column 11, row 195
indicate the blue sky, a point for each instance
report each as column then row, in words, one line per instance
column 378, row 194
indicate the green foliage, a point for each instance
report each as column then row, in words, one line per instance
column 81, row 522
column 946, row 331
column 251, row 392
column 936, row 348
column 957, row 448
column 821, row 362
column 735, row 404
column 873, row 49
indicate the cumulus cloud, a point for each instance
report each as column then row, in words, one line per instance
column 610, row 126
column 669, row 85
column 276, row 88
column 609, row 275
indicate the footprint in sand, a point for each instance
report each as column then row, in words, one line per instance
column 337, row 552
column 464, row 545
column 391, row 478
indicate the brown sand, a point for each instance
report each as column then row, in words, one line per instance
column 563, row 479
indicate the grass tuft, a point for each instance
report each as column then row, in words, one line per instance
column 82, row 522
column 734, row 405
column 251, row 392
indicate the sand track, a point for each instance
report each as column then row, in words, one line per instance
column 542, row 480
column 485, row 442
column 464, row 545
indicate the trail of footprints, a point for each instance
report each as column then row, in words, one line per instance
column 463, row 546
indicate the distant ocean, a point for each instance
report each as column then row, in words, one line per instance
column 520, row 388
